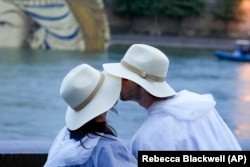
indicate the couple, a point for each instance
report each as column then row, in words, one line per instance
column 176, row 120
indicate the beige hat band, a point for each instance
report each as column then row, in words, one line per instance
column 141, row 73
column 92, row 94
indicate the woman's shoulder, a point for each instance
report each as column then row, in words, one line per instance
column 110, row 139
column 109, row 142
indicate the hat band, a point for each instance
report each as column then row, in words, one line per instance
column 141, row 73
column 92, row 94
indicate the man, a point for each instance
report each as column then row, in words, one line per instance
column 176, row 120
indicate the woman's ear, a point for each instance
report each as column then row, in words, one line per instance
column 101, row 118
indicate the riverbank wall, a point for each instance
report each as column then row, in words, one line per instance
column 173, row 42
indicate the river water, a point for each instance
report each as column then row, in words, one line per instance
column 31, row 108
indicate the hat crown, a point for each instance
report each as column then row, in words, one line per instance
column 146, row 66
column 147, row 59
column 78, row 84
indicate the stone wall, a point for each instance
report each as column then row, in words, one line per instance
column 202, row 26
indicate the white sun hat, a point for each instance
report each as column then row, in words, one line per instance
column 145, row 65
column 88, row 93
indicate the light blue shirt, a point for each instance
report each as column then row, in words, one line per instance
column 96, row 151
column 111, row 153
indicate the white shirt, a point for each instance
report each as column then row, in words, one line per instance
column 188, row 121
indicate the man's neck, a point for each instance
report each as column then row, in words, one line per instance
column 147, row 100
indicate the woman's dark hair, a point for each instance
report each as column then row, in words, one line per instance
column 93, row 127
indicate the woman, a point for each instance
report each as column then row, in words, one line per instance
column 87, row 140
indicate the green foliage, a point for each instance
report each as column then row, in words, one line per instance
column 180, row 8
column 134, row 7
column 227, row 10
column 163, row 8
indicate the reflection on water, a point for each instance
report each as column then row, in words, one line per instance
column 243, row 103
column 31, row 108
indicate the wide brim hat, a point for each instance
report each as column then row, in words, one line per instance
column 145, row 65
column 88, row 93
